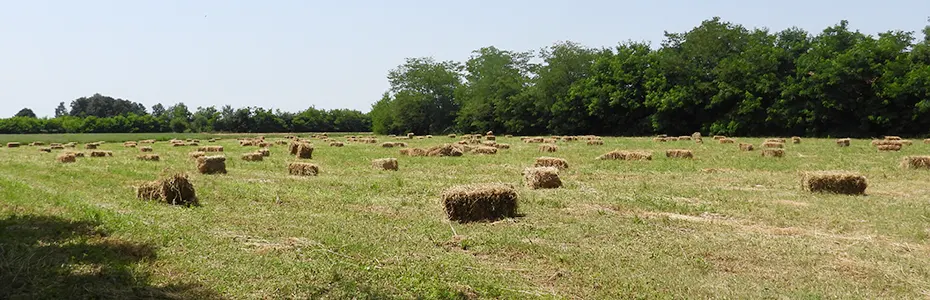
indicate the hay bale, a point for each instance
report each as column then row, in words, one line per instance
column 679, row 153
column 843, row 142
column 265, row 145
column 451, row 136
column 13, row 145
column 303, row 169
column 33, row 144
column 773, row 152
column 389, row 164
column 45, row 149
column 795, row 140
column 889, row 147
column 595, row 142
column 552, row 162
column 253, row 157
column 485, row 150
column 176, row 190
column 542, row 178
column 927, row 141
column 626, row 155
column 197, row 154
column 101, row 153
column 211, row 164
column 444, row 150
column 745, row 147
column 77, row 154
column 264, row 152
column 903, row 142
column 886, row 142
column 719, row 137
column 146, row 149
column 59, row 147
column 915, row 162
column 305, row 151
column 726, row 141
column 480, row 202
column 834, row 182
column 660, row 139
column 696, row 135
column 892, row 138
column 502, row 146
column 699, row 141
column 130, row 144
column 71, row 145
column 414, row 152
column 548, row 148
column 148, row 157
column 90, row 146
column 773, row 145
column 684, row 138
column 775, row 141
column 210, row 149
column 490, row 138
column 66, row 158
column 147, row 142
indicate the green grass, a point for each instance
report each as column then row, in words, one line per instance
column 727, row 224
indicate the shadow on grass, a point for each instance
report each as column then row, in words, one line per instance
column 43, row 257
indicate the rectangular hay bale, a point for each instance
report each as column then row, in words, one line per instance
column 834, row 182
column 480, row 202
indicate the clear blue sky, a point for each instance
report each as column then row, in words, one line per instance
column 290, row 55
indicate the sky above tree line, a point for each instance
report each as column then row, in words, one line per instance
column 290, row 55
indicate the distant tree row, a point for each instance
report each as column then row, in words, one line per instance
column 718, row 78
column 103, row 114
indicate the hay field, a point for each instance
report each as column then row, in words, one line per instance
column 725, row 224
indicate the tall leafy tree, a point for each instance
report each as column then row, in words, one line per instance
column 25, row 112
column 494, row 80
column 424, row 95
column 61, row 110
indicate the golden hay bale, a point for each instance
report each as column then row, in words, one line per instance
column 548, row 148
column 490, row 138
column 148, row 157
column 197, row 154
column 389, row 164
column 59, row 147
column 129, row 145
column 672, row 139
column 53, row 145
column 451, row 136
column 101, row 153
column 719, row 137
column 176, row 190
column 684, row 138
column 834, row 182
column 550, row 141
column 773, row 152
column 773, row 145
column 147, row 142
column 726, row 141
column 210, row 149
column 775, row 141
column 534, row 140
column 696, row 135
column 698, row 141
column 265, row 145
column 305, row 151
column 444, row 150
column 542, row 178
column 485, row 150
column 292, row 147
column 890, row 147
column 595, row 142
column 626, row 155
column 892, row 138
column 336, row 144
column 66, row 158
column 146, row 149
column 553, row 162
column 927, row 141
column 264, row 152
column 13, row 145
column 479, row 202
column 843, row 142
column 37, row 144
column 211, row 164
column 45, row 149
column 303, row 169
column 414, row 152
column 795, row 140
column 77, row 154
column 502, row 146
column 679, row 153
column 745, row 147
column 903, row 142
column 660, row 139
column 178, row 144
column 90, row 146
column 916, row 162
column 886, row 142
column 246, row 143
column 253, row 157
column 71, row 145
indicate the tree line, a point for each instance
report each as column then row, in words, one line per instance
column 104, row 114
column 718, row 78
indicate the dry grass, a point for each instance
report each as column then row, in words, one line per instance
column 101, row 153
column 90, row 146
column 548, row 148
column 889, row 147
column 773, row 152
column 746, row 147
column 795, row 140
column 176, row 190
column 303, row 169
column 726, row 141
column 389, row 164
column 196, row 154
column 595, row 142
column 480, row 202
column 679, row 153
column 834, row 182
column 264, row 152
column 305, row 151
column 336, row 144
column 778, row 145
column 484, row 150
column 146, row 149
column 210, row 149
column 66, row 158
column 892, row 138
column 211, row 165
column 255, row 156
column 843, row 142
column 553, row 162
column 148, row 157
column 915, row 162
column 626, row 155
column 542, row 178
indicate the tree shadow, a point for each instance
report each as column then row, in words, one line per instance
column 46, row 257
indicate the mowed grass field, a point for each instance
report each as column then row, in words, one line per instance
column 727, row 224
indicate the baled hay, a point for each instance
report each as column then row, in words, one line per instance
column 726, row 141
column 548, row 148
column 927, row 141
column 502, row 146
column 843, row 142
column 336, row 144
column 672, row 139
column 891, row 147
column 210, row 149
column 775, row 141
column 696, row 135
column 211, row 164
column 101, row 153
column 252, row 157
column 679, row 153
column 305, row 151
column 550, row 141
column 13, row 145
column 892, row 138
column 886, row 142
column 534, row 140
column 90, row 146
column 211, row 141
column 147, row 142
column 148, row 157
column 795, row 140
column 178, row 144
column 53, row 145
column 485, row 150
column 542, row 178
column 916, row 162
column 480, row 202
column 175, row 190
column 303, row 169
column 414, row 152
column 146, row 149
column 389, row 164
column 626, row 155
column 684, row 138
column 773, row 152
column 59, row 147
column 77, row 154
column 129, row 145
column 444, row 150
column 451, row 136
column 552, row 162
column 660, row 139
column 37, row 144
column 45, row 149
column 903, row 142
column 719, row 137
column 429, row 136
column 508, row 136
column 196, row 155
column 246, row 143
column 292, row 147
column 595, row 142
column 265, row 145
column 489, row 133
column 773, row 145
column 71, row 145
column 698, row 140
column 834, row 182
column 66, row 158
column 746, row 147
column 264, row 152
column 490, row 138
column 489, row 143
column 281, row 142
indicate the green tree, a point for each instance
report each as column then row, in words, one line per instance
column 494, row 79
column 424, row 95
column 26, row 113
column 61, row 110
